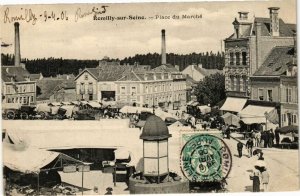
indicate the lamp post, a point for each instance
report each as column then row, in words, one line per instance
column 155, row 149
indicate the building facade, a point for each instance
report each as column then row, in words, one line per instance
column 247, row 48
column 152, row 89
column 132, row 84
column 198, row 73
column 276, row 82
column 17, row 86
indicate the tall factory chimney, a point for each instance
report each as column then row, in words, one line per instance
column 163, row 48
column 17, row 45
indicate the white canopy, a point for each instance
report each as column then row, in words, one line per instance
column 231, row 119
column 66, row 103
column 70, row 110
column 85, row 134
column 122, row 153
column 11, row 105
column 255, row 114
column 234, row 104
column 55, row 103
column 204, row 109
column 31, row 160
column 43, row 107
column 84, row 102
column 94, row 104
column 131, row 109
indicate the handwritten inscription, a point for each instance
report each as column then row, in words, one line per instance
column 26, row 15
column 97, row 13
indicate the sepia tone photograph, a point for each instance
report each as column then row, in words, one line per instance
column 149, row 98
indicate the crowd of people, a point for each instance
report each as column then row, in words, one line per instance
column 265, row 139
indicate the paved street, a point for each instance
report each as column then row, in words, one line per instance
column 282, row 165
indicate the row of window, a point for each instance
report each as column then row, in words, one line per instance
column 289, row 119
column 22, row 100
column 238, row 83
column 89, row 88
column 269, row 95
column 24, row 88
column 238, row 58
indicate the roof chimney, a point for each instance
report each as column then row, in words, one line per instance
column 274, row 20
column 243, row 15
column 17, row 45
column 163, row 48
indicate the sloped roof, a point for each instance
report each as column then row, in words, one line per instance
column 285, row 30
column 207, row 72
column 47, row 85
column 35, row 76
column 107, row 72
column 19, row 73
column 166, row 68
column 277, row 61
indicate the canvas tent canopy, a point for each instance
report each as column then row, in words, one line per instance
column 231, row 119
column 94, row 104
column 11, row 106
column 133, row 110
column 255, row 114
column 234, row 104
column 204, row 109
column 32, row 160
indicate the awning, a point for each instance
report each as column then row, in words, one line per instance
column 255, row 114
column 27, row 161
column 31, row 160
column 234, row 104
column 231, row 119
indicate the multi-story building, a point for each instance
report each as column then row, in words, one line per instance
column 276, row 82
column 99, row 83
column 17, row 86
column 148, row 88
column 247, row 48
column 132, row 84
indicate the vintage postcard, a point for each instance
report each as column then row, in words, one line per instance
column 149, row 98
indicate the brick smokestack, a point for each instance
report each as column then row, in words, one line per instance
column 163, row 48
column 17, row 45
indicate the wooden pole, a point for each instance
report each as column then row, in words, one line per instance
column 82, row 180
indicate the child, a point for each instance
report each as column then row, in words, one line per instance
column 265, row 179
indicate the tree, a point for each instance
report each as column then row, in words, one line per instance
column 211, row 89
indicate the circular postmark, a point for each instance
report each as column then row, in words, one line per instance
column 205, row 158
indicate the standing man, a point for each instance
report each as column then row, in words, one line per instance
column 277, row 136
column 257, row 138
column 249, row 146
column 271, row 139
column 240, row 149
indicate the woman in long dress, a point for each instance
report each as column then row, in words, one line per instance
column 256, row 180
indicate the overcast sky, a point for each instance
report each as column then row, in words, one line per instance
column 89, row 39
